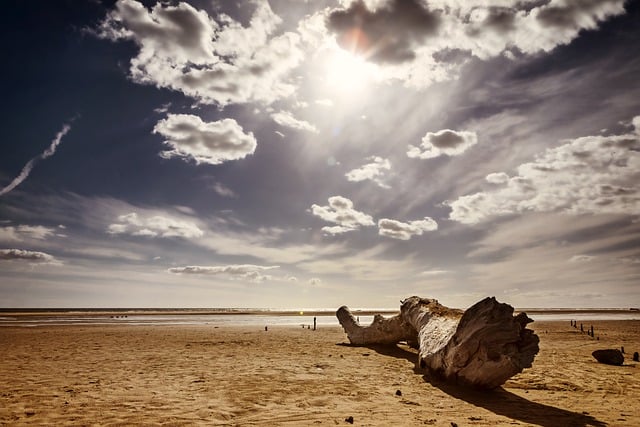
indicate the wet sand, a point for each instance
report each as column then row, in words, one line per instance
column 186, row 375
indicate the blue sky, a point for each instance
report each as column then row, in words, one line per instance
column 312, row 154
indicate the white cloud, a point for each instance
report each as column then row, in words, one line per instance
column 163, row 108
column 497, row 178
column 213, row 142
column 154, row 226
column 592, row 175
column 446, row 141
column 340, row 211
column 26, row 170
column 405, row 230
column 223, row 190
column 251, row 273
column 374, row 171
column 221, row 62
column 432, row 273
column 324, row 102
column 636, row 124
column 285, row 118
column 581, row 258
column 32, row 257
column 21, row 232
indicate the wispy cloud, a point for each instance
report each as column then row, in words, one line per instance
column 248, row 272
column 154, row 226
column 374, row 171
column 20, row 232
column 405, row 230
column 285, row 118
column 26, row 170
column 32, row 257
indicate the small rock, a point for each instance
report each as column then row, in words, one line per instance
column 398, row 393
column 349, row 420
column 609, row 356
column 453, row 424
column 636, row 357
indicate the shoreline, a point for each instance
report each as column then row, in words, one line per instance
column 268, row 312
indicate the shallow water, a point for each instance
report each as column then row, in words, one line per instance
column 327, row 319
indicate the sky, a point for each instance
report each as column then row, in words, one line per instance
column 310, row 154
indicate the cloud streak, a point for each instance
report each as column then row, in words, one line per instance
column 286, row 119
column 154, row 226
column 20, row 232
column 248, row 272
column 373, row 171
column 405, row 230
column 32, row 257
column 26, row 170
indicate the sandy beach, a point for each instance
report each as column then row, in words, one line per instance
column 207, row 375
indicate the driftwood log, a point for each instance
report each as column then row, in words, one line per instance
column 483, row 346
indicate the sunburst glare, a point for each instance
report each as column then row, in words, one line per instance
column 347, row 73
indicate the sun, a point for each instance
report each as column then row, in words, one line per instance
column 348, row 73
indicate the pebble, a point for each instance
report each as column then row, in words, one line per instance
column 349, row 420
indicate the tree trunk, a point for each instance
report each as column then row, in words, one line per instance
column 381, row 331
column 482, row 347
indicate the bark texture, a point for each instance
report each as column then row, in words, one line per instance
column 483, row 346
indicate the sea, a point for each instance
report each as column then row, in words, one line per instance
column 253, row 317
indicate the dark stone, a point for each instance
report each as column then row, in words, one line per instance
column 398, row 393
column 609, row 356
column 349, row 420
column 635, row 357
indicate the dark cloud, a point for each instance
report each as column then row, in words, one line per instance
column 501, row 19
column 446, row 141
column 388, row 34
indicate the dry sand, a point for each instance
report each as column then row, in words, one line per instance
column 186, row 375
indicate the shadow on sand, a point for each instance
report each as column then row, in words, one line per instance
column 503, row 402
column 499, row 401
